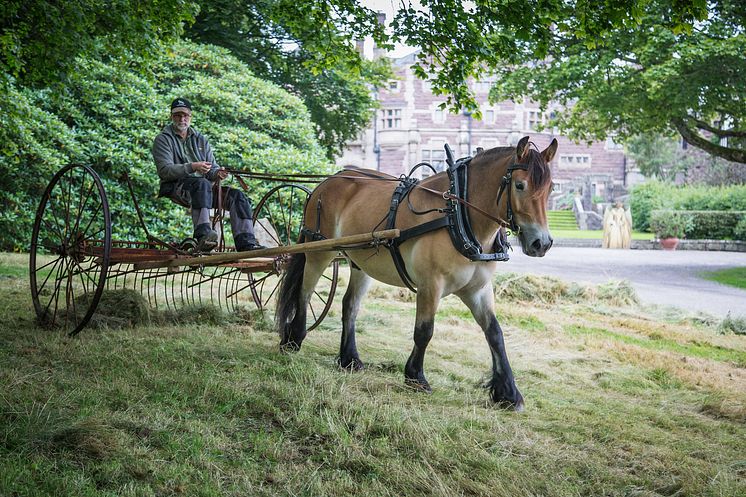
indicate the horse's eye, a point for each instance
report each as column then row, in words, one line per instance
column 520, row 186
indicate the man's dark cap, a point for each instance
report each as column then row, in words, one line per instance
column 180, row 104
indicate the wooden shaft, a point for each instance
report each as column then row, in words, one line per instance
column 317, row 246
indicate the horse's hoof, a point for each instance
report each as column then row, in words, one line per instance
column 510, row 405
column 351, row 366
column 289, row 347
column 418, row 385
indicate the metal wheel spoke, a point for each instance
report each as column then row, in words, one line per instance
column 93, row 217
column 68, row 204
column 39, row 290
column 81, row 205
column 56, row 228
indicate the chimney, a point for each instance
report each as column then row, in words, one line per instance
column 377, row 52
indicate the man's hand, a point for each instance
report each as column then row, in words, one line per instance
column 201, row 167
column 222, row 173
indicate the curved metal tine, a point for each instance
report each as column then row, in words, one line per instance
column 173, row 283
column 232, row 301
column 154, row 286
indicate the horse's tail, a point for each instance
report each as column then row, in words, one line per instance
column 289, row 315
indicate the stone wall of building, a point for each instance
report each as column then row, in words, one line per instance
column 410, row 128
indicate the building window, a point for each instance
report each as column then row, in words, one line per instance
column 489, row 116
column 393, row 85
column 534, row 119
column 434, row 157
column 390, row 118
column 483, row 86
column 612, row 145
column 439, row 116
column 575, row 160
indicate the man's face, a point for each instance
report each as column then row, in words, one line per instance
column 181, row 120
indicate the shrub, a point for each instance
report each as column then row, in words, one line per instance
column 644, row 199
column 669, row 224
column 107, row 116
column 714, row 224
column 656, row 195
column 739, row 230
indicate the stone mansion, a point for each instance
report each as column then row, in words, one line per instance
column 410, row 128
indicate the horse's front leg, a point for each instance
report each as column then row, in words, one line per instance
column 427, row 305
column 356, row 290
column 502, row 385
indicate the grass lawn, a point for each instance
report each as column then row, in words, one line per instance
column 621, row 400
column 596, row 234
column 734, row 276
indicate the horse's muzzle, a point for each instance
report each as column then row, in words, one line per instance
column 535, row 241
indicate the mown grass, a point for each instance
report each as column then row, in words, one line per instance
column 620, row 401
column 732, row 276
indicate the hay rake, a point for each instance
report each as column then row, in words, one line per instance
column 73, row 258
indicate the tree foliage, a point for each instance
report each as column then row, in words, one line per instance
column 650, row 76
column 306, row 47
column 107, row 116
column 40, row 39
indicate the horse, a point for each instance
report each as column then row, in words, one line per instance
column 357, row 201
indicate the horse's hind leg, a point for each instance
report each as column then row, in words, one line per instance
column 502, row 385
column 358, row 287
column 294, row 297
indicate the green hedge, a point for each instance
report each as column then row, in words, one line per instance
column 715, row 225
column 654, row 195
column 107, row 116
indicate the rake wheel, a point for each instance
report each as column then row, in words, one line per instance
column 70, row 249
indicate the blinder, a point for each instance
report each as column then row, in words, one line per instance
column 506, row 185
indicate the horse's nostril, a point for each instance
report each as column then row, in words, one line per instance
column 537, row 244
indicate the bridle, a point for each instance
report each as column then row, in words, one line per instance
column 506, row 185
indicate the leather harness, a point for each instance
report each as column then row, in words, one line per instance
column 456, row 219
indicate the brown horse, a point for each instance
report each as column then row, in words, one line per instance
column 353, row 202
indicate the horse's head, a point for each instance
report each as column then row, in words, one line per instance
column 529, row 185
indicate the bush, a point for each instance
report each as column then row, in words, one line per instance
column 739, row 231
column 107, row 116
column 656, row 195
column 669, row 224
column 716, row 225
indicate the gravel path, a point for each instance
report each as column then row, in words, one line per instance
column 659, row 277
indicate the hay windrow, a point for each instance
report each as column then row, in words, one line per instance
column 549, row 290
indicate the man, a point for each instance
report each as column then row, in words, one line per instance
column 187, row 168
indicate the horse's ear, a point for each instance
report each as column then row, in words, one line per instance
column 549, row 152
column 521, row 148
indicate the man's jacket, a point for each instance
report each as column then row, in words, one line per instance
column 171, row 163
